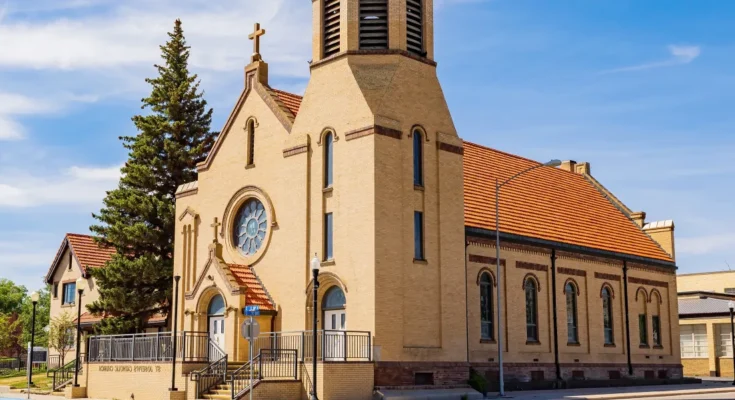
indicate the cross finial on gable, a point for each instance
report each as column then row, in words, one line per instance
column 255, row 37
column 215, row 226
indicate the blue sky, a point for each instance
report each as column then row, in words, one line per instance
column 643, row 90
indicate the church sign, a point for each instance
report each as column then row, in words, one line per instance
column 130, row 368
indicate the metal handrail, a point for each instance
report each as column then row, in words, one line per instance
column 190, row 347
column 213, row 374
column 270, row 363
column 331, row 345
column 63, row 375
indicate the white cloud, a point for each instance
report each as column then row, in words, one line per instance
column 679, row 55
column 705, row 244
column 13, row 105
column 75, row 186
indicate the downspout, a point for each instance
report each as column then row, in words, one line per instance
column 466, row 299
column 627, row 319
column 553, row 302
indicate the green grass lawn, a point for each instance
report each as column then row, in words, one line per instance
column 18, row 380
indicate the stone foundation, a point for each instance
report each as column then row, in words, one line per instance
column 402, row 374
column 530, row 372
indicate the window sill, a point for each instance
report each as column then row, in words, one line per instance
column 533, row 342
column 68, row 305
column 644, row 346
column 328, row 189
column 418, row 187
column 575, row 344
column 658, row 346
column 250, row 166
column 610, row 345
column 420, row 261
column 327, row 263
column 488, row 341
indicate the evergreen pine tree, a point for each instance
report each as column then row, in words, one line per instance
column 138, row 217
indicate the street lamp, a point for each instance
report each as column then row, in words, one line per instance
column 498, row 185
column 731, row 306
column 315, row 265
column 81, row 285
column 173, row 328
column 34, row 299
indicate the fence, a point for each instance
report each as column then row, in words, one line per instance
column 190, row 347
column 331, row 345
column 269, row 363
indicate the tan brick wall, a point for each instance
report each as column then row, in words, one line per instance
column 143, row 380
column 696, row 366
column 710, row 282
column 281, row 390
column 347, row 381
column 724, row 366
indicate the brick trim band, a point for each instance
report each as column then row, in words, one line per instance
column 572, row 271
column 295, row 150
column 486, row 260
column 531, row 266
column 648, row 282
column 375, row 129
column 610, row 277
column 451, row 148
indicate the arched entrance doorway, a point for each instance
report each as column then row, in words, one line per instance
column 334, row 323
column 216, row 320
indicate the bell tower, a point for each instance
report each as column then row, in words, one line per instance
column 362, row 26
column 375, row 121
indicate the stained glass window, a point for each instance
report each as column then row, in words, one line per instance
column 250, row 227
column 486, row 306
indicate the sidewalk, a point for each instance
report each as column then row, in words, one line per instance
column 637, row 392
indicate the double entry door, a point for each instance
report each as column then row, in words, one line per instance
column 335, row 329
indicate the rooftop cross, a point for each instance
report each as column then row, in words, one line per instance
column 255, row 37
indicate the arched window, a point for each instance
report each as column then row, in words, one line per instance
column 373, row 24
column 607, row 315
column 331, row 27
column 418, row 158
column 216, row 306
column 251, row 142
column 334, row 299
column 486, row 306
column 572, row 327
column 328, row 159
column 415, row 27
column 531, row 311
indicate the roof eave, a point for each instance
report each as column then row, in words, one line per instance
column 485, row 233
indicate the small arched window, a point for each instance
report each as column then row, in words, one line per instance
column 572, row 326
column 607, row 316
column 328, row 159
column 418, row 158
column 334, row 299
column 251, row 142
column 531, row 311
column 486, row 306
column 216, row 306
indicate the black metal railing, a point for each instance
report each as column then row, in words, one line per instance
column 331, row 345
column 62, row 376
column 191, row 347
column 269, row 363
column 213, row 374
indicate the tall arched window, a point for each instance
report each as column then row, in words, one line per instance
column 607, row 315
column 531, row 311
column 328, row 159
column 418, row 158
column 486, row 306
column 251, row 142
column 572, row 328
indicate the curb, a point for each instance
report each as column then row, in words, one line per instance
column 624, row 396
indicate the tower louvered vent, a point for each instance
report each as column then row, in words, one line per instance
column 415, row 27
column 331, row 27
column 373, row 24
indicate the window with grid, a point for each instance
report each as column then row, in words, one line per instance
column 724, row 345
column 571, row 297
column 531, row 311
column 331, row 27
column 693, row 339
column 373, row 24
column 656, row 327
column 730, row 290
column 486, row 306
column 607, row 316
column 415, row 27
column 69, row 294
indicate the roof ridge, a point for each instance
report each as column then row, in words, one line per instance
column 283, row 91
column 516, row 156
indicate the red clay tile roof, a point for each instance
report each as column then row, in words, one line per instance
column 255, row 293
column 290, row 100
column 547, row 203
column 89, row 318
column 88, row 252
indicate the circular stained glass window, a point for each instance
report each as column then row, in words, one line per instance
column 250, row 227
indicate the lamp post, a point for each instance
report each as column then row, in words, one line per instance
column 315, row 265
column 173, row 328
column 34, row 299
column 498, row 186
column 731, row 306
column 81, row 284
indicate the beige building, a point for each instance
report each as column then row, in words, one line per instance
column 75, row 257
column 704, row 323
column 368, row 173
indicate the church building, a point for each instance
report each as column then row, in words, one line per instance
column 368, row 173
